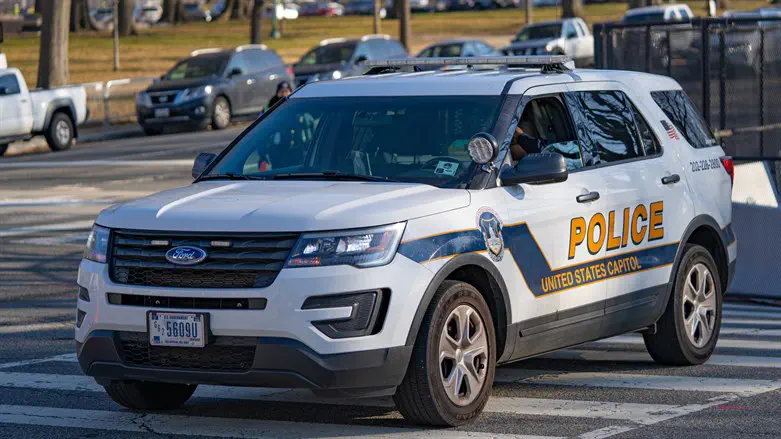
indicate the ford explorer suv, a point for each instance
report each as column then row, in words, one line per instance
column 570, row 37
column 404, row 232
column 24, row 113
column 211, row 87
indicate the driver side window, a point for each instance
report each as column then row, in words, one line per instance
column 546, row 119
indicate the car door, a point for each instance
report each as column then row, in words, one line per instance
column 570, row 36
column 645, row 205
column 15, row 107
column 560, row 278
column 265, row 74
column 241, row 83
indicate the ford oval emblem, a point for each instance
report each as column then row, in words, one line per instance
column 185, row 255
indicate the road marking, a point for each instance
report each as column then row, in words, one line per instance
column 722, row 343
column 751, row 314
column 63, row 357
column 643, row 414
column 629, row 356
column 91, row 163
column 727, row 321
column 606, row 432
column 16, row 329
column 751, row 331
column 51, row 201
column 216, row 427
column 46, row 228
column 751, row 306
column 80, row 238
column 738, row 386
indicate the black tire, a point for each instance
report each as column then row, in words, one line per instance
column 60, row 133
column 152, row 131
column 3, row 148
column 221, row 121
column 670, row 344
column 144, row 395
column 421, row 397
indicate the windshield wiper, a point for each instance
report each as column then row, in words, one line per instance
column 230, row 176
column 330, row 175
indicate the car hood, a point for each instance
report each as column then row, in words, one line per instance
column 281, row 206
column 308, row 69
column 180, row 84
column 541, row 42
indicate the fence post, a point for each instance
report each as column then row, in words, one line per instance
column 669, row 55
column 761, row 90
column 722, row 82
column 598, row 44
column 609, row 48
column 106, row 96
column 648, row 48
column 705, row 35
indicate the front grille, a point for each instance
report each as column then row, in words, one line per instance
column 163, row 97
column 232, row 354
column 233, row 260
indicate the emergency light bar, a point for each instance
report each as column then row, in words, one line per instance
column 547, row 62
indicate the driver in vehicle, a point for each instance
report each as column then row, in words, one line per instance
column 525, row 140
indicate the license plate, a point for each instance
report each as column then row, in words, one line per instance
column 162, row 112
column 186, row 330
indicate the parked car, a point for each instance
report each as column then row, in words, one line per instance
column 422, row 5
column 211, row 87
column 55, row 113
column 366, row 7
column 149, row 13
column 454, row 5
column 743, row 41
column 570, row 37
column 194, row 12
column 457, row 48
column 659, row 13
column 338, row 57
column 321, row 9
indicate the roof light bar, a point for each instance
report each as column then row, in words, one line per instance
column 515, row 61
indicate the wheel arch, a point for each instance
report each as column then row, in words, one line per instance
column 705, row 231
column 482, row 274
column 60, row 105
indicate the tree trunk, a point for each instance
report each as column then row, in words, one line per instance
column 169, row 11
column 89, row 20
column 127, row 25
column 38, row 6
column 76, row 19
column 257, row 15
column 723, row 4
column 241, row 9
column 404, row 24
column 572, row 8
column 53, row 60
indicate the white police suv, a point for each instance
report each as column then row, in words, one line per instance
column 384, row 235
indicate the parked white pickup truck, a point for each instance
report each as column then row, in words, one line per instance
column 24, row 113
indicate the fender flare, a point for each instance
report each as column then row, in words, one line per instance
column 695, row 223
column 446, row 270
column 57, row 105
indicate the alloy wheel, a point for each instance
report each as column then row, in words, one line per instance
column 699, row 305
column 463, row 355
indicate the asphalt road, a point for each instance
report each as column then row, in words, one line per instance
column 604, row 389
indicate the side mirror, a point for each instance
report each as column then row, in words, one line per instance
column 3, row 91
column 202, row 161
column 535, row 168
column 361, row 59
column 235, row 72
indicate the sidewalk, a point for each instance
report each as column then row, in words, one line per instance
column 87, row 134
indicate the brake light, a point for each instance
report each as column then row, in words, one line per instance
column 729, row 166
column 290, row 71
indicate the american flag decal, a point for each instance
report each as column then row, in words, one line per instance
column 671, row 132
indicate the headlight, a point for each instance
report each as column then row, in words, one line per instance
column 337, row 74
column 143, row 100
column 190, row 94
column 359, row 248
column 97, row 244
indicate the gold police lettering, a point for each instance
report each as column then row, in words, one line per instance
column 639, row 224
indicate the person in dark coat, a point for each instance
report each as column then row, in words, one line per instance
column 283, row 91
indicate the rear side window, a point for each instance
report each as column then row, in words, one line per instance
column 650, row 144
column 605, row 125
column 263, row 59
column 684, row 115
column 8, row 85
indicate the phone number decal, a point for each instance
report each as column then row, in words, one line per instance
column 704, row 165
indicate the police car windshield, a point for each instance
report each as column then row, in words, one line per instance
column 420, row 139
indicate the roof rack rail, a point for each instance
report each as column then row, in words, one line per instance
column 375, row 37
column 547, row 63
column 205, row 51
column 332, row 41
column 251, row 46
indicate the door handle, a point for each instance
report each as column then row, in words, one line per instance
column 670, row 179
column 585, row 198
column 250, row 81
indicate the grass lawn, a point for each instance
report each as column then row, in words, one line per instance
column 156, row 49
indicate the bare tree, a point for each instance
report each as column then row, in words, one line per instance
column 127, row 22
column 76, row 18
column 38, row 6
column 404, row 24
column 241, row 9
column 257, row 14
column 53, row 60
column 572, row 8
column 169, row 11
column 529, row 12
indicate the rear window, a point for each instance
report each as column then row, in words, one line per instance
column 644, row 18
column 685, row 116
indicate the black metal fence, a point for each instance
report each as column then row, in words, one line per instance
column 730, row 67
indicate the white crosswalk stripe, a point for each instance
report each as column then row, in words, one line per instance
column 519, row 395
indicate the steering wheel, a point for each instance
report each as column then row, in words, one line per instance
column 435, row 161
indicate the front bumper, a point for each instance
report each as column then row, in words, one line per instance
column 277, row 363
column 197, row 111
column 289, row 351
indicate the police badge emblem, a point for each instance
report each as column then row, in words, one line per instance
column 491, row 227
